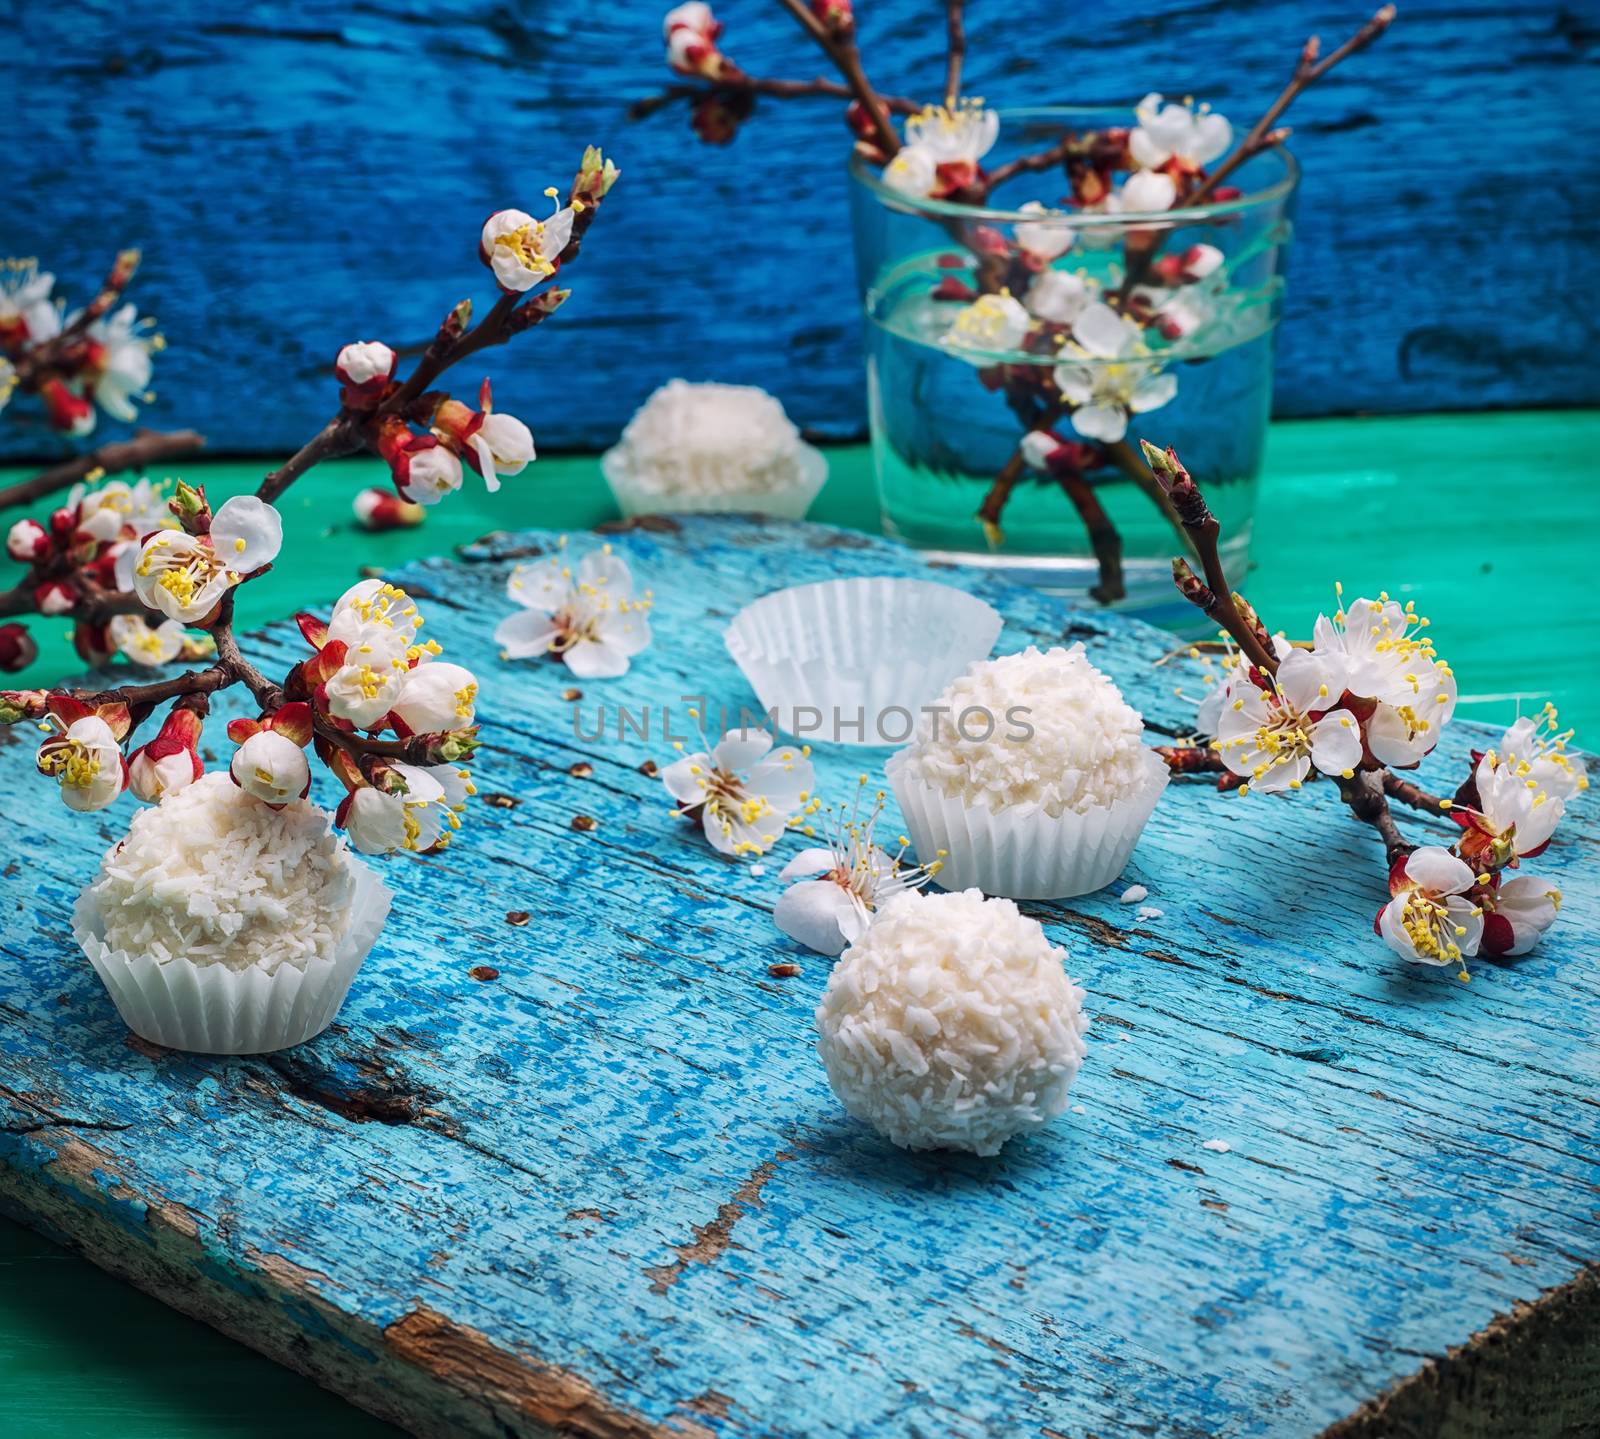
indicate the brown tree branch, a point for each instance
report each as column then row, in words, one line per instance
column 1030, row 164
column 1308, row 70
column 755, row 85
column 147, row 447
column 956, row 51
column 192, row 682
column 1104, row 538
column 1363, row 793
column 847, row 60
column 1215, row 598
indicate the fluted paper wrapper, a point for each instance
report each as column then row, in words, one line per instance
column 1021, row 852
column 879, row 647
column 789, row 502
column 212, row 1009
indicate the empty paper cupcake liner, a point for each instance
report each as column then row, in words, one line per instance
column 855, row 661
column 788, row 502
column 212, row 1009
column 1021, row 852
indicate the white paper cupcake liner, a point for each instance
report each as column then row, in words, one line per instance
column 855, row 661
column 788, row 503
column 211, row 1009
column 1021, row 852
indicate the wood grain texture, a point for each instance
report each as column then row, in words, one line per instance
column 304, row 172
column 607, row 1191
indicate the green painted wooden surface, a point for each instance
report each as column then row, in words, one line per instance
column 1510, row 515
column 1487, row 521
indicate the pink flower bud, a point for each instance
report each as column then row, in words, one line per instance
column 364, row 370
column 28, row 541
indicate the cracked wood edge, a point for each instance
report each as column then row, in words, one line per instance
column 712, row 1238
column 1534, row 1371
column 423, row 1371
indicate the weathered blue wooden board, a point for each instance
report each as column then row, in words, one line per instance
column 305, row 172
column 609, row 1193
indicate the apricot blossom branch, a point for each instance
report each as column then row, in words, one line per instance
column 392, row 722
column 1308, row 70
column 1367, row 696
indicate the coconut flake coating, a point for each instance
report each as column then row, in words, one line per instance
column 689, row 439
column 1086, row 748
column 951, row 1024
column 214, row 876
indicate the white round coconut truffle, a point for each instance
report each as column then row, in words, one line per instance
column 1043, row 728
column 701, row 441
column 213, row 875
column 951, row 1024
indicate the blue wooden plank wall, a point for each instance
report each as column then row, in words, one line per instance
column 305, row 172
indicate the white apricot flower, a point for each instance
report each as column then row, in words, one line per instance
column 1507, row 815
column 942, row 150
column 1275, row 733
column 1193, row 135
column 144, row 643
column 184, row 575
column 27, row 313
column 1144, row 192
column 503, row 445
column 991, row 324
column 1043, row 239
column 428, row 471
column 842, row 885
column 1516, row 912
column 374, row 602
column 913, row 171
column 1543, row 757
column 437, row 697
column 492, row 442
column 521, row 250
column 272, row 767
column 1387, row 660
column 421, row 817
column 86, row 760
column 962, row 134
column 377, row 664
column 1107, row 380
column 1059, row 296
column 119, row 508
column 119, row 367
column 1432, row 919
column 742, row 796
column 589, row 618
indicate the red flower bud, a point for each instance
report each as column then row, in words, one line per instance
column 381, row 510
column 18, row 649
column 55, row 597
column 28, row 541
column 64, row 410
column 837, row 15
